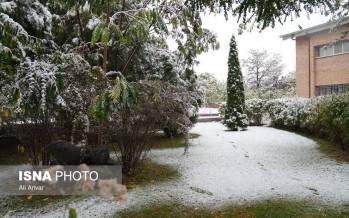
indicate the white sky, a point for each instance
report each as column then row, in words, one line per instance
column 215, row 62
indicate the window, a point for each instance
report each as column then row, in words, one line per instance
column 340, row 47
column 322, row 51
column 329, row 50
column 346, row 46
column 331, row 89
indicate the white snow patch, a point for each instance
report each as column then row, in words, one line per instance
column 93, row 22
column 8, row 7
column 75, row 41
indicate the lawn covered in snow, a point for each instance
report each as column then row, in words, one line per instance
column 223, row 167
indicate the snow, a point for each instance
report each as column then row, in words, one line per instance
column 236, row 167
column 93, row 22
column 35, row 13
column 112, row 74
column 206, row 110
column 39, row 16
column 75, row 41
column 86, row 7
column 8, row 7
column 4, row 18
column 32, row 80
column 289, row 111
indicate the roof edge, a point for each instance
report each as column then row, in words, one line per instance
column 315, row 29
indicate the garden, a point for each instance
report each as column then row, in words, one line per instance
column 97, row 83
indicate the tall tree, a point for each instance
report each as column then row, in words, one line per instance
column 235, row 117
column 262, row 69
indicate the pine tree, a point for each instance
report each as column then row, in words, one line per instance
column 235, row 117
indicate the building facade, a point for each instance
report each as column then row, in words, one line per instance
column 322, row 59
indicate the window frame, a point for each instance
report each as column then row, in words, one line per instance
column 322, row 50
column 331, row 89
column 346, row 42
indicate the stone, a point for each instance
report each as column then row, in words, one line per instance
column 66, row 153
column 63, row 153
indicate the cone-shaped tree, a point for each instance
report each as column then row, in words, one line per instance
column 234, row 116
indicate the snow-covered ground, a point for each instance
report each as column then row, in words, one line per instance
column 223, row 167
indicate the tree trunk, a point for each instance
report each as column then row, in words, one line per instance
column 81, row 31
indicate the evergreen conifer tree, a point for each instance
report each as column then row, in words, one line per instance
column 234, row 116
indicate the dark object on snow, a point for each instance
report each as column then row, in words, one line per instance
column 100, row 156
column 65, row 153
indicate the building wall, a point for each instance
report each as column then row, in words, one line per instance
column 313, row 71
column 332, row 70
column 302, row 67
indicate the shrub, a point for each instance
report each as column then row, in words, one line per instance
column 48, row 100
column 151, row 106
column 329, row 118
column 325, row 117
column 288, row 113
column 254, row 109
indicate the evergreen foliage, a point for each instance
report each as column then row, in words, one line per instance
column 234, row 116
column 266, row 13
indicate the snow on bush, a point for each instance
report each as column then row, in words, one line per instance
column 326, row 116
column 330, row 119
column 240, row 118
column 254, row 109
column 30, row 14
column 8, row 29
column 8, row 6
column 93, row 22
column 39, row 16
column 36, row 86
column 288, row 112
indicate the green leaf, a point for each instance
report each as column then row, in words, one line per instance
column 97, row 33
column 115, row 31
column 115, row 94
column 72, row 213
column 124, row 87
column 105, row 37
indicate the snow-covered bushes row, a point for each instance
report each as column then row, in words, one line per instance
column 326, row 117
column 281, row 112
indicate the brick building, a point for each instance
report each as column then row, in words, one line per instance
column 322, row 59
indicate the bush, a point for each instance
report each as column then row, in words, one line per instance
column 47, row 101
column 288, row 113
column 157, row 105
column 325, row 117
column 254, row 109
column 330, row 119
